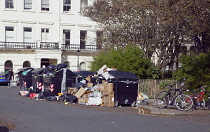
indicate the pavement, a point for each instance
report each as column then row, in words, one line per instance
column 152, row 109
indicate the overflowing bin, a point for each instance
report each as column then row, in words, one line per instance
column 25, row 77
column 125, row 86
column 37, row 80
column 53, row 79
column 80, row 75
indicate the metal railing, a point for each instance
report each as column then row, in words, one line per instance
column 17, row 45
column 49, row 45
column 151, row 87
column 78, row 46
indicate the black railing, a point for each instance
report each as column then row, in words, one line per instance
column 49, row 45
column 72, row 47
column 17, row 45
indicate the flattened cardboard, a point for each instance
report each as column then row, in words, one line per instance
column 80, row 92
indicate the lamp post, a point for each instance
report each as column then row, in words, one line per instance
column 78, row 53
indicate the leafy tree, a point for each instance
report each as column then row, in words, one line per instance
column 156, row 26
column 195, row 70
column 130, row 58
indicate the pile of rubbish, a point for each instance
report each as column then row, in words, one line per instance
column 105, row 87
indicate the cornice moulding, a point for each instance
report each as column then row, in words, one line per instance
column 84, row 25
column 46, row 23
column 67, row 24
column 28, row 22
column 11, row 21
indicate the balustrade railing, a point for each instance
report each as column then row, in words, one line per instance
column 49, row 45
column 78, row 46
column 17, row 45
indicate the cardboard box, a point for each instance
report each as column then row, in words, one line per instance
column 110, row 87
column 80, row 92
column 83, row 100
column 89, row 84
column 88, row 78
column 72, row 90
column 108, row 101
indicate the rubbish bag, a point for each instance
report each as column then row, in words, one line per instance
column 71, row 98
column 68, row 98
column 51, row 98
column 51, row 67
column 60, row 66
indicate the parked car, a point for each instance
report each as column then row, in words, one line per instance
column 3, row 79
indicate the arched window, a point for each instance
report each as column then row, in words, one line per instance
column 26, row 64
column 83, row 66
column 8, row 65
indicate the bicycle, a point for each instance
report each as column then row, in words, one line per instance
column 178, row 98
column 198, row 99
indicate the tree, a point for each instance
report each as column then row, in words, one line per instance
column 156, row 26
column 130, row 59
column 195, row 70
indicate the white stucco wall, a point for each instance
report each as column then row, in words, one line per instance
column 55, row 20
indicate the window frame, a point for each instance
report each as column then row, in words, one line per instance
column 82, row 7
column 47, row 4
column 12, row 29
column 46, row 32
column 25, row 37
column 29, row 3
column 67, row 7
column 64, row 36
column 83, row 38
column 10, row 4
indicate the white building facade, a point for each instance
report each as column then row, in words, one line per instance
column 37, row 33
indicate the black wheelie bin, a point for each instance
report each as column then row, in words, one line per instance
column 125, row 86
column 37, row 80
column 52, row 81
column 25, row 77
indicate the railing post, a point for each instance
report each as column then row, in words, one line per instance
column 38, row 44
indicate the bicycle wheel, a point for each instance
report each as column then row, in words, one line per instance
column 162, row 99
column 200, row 104
column 183, row 102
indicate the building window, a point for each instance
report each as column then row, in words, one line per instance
column 83, row 5
column 26, row 64
column 27, row 4
column 27, row 34
column 45, row 5
column 66, row 5
column 66, row 37
column 8, row 65
column 45, row 35
column 83, row 66
column 9, row 4
column 9, row 34
column 83, row 36
column 99, row 39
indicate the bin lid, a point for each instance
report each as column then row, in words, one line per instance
column 38, row 71
column 122, row 74
column 24, row 69
column 59, row 73
column 83, row 74
column 27, row 72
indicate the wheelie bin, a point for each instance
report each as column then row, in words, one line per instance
column 37, row 80
column 25, row 77
column 125, row 86
column 52, row 81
